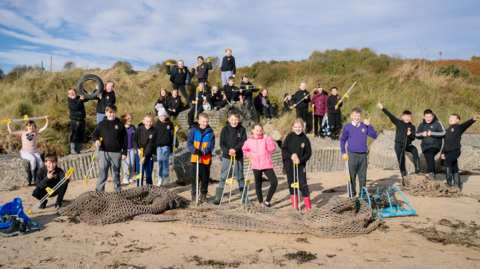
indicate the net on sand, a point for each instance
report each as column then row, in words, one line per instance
column 421, row 186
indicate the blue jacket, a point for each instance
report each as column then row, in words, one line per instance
column 204, row 141
column 174, row 71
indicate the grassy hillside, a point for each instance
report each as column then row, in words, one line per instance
column 398, row 83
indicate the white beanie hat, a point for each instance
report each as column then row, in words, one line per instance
column 162, row 112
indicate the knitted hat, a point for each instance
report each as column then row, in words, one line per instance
column 162, row 112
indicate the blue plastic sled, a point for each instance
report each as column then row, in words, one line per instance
column 15, row 208
column 392, row 210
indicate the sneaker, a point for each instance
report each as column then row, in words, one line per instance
column 165, row 181
column 57, row 207
column 249, row 113
column 160, row 182
column 125, row 181
column 265, row 204
column 203, row 198
column 32, row 182
column 17, row 228
column 43, row 205
column 130, row 180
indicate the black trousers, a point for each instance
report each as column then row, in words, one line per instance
column 302, row 113
column 401, row 157
column 248, row 98
column 233, row 96
column 191, row 114
column 451, row 159
column 258, row 183
column 285, row 109
column 205, row 82
column 269, row 112
column 357, row 164
column 430, row 158
column 204, row 176
column 171, row 113
column 302, row 178
column 60, row 193
column 334, row 122
column 77, row 130
column 181, row 88
column 317, row 119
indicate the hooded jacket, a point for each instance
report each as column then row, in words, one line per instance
column 298, row 144
column 202, row 70
column 331, row 102
column 165, row 130
column 107, row 98
column 402, row 128
column 202, row 139
column 257, row 102
column 173, row 72
column 453, row 136
column 260, row 150
column 164, row 102
column 299, row 95
column 114, row 135
column 437, row 133
column 175, row 103
column 77, row 108
column 320, row 102
column 250, row 90
column 232, row 138
column 228, row 64
column 145, row 139
column 43, row 181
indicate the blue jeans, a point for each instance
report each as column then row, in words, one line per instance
column 225, row 76
column 163, row 155
column 146, row 171
column 100, row 117
column 238, row 172
column 129, row 164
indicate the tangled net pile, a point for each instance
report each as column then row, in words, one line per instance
column 100, row 208
column 341, row 217
column 420, row 185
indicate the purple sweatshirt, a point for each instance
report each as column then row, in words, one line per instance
column 130, row 133
column 356, row 137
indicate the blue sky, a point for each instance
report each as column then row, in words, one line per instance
column 99, row 33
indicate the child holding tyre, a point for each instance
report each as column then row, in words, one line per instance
column 104, row 99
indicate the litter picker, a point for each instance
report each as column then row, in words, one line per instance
column 349, row 182
column 126, row 165
column 198, row 180
column 228, row 102
column 296, row 186
column 196, row 104
column 313, row 121
column 51, row 191
column 25, row 118
column 247, row 182
column 140, row 172
column 303, row 99
column 173, row 146
column 345, row 95
column 229, row 180
column 90, row 167
column 247, row 87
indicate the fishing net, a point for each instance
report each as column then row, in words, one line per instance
column 421, row 186
column 341, row 217
column 100, row 208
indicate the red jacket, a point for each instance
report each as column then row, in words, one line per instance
column 320, row 102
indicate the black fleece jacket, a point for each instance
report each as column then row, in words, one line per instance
column 43, row 181
column 331, row 102
column 288, row 104
column 250, row 90
column 174, row 103
column 453, row 136
column 437, row 133
column 228, row 64
column 229, row 90
column 165, row 130
column 202, row 70
column 402, row 128
column 298, row 96
column 114, row 135
column 145, row 139
column 299, row 144
column 107, row 98
column 232, row 138
column 77, row 108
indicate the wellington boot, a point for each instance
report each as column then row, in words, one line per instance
column 72, row 149
column 244, row 196
column 457, row 182
column 448, row 171
column 416, row 162
column 218, row 196
column 294, row 201
column 308, row 206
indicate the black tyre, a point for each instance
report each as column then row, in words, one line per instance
column 90, row 96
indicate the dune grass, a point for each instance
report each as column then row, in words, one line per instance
column 398, row 84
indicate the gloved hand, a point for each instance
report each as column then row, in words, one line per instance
column 198, row 152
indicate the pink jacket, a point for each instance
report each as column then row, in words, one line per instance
column 260, row 150
column 320, row 102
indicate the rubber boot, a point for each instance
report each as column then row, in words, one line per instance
column 456, row 181
column 416, row 162
column 218, row 196
column 404, row 177
column 294, row 201
column 72, row 148
column 306, row 200
column 79, row 148
column 448, row 171
column 33, row 182
column 332, row 136
column 244, row 198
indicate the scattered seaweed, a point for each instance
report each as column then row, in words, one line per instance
column 460, row 234
column 302, row 240
column 300, row 256
column 199, row 261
